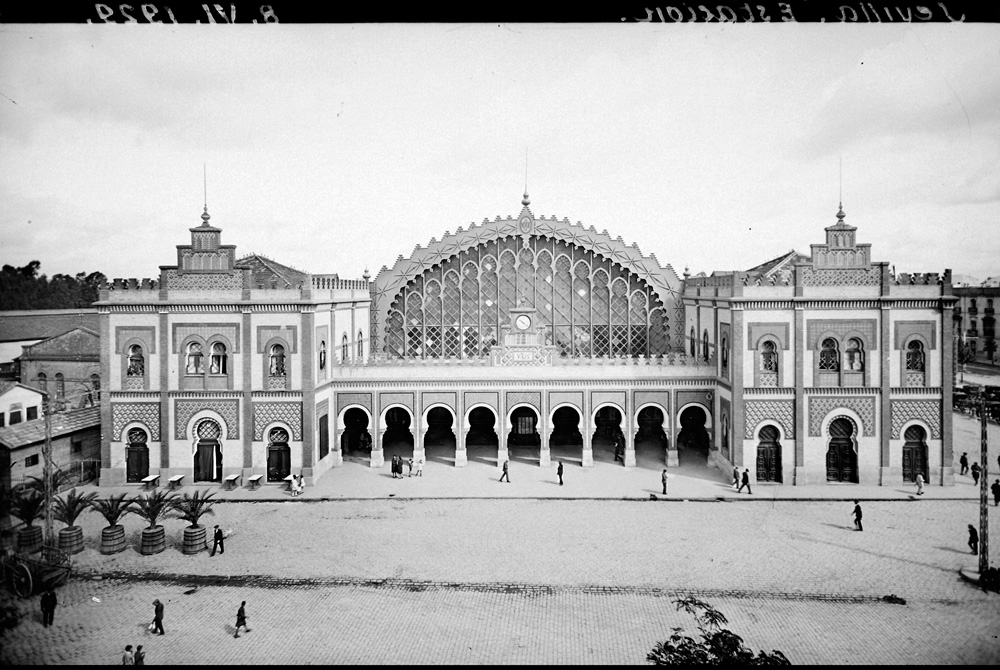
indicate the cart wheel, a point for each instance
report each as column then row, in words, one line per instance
column 21, row 580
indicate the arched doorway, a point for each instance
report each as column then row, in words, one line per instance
column 650, row 438
column 608, row 434
column 842, row 454
column 136, row 456
column 693, row 440
column 769, row 455
column 439, row 440
column 279, row 455
column 208, row 453
column 398, row 439
column 566, row 440
column 356, row 437
column 482, row 441
column 523, row 440
column 914, row 454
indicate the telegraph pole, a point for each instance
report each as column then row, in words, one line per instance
column 47, row 467
column 984, row 503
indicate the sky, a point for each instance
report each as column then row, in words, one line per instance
column 336, row 148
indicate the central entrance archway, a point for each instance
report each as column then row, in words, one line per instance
column 356, row 437
column 482, row 442
column 842, row 455
column 769, row 455
column 608, row 441
column 136, row 456
column 523, row 440
column 915, row 454
column 566, row 440
column 208, row 452
column 439, row 440
column 693, row 441
column 398, row 438
column 651, row 440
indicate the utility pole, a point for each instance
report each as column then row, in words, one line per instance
column 984, row 503
column 47, row 467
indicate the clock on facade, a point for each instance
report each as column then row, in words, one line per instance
column 522, row 322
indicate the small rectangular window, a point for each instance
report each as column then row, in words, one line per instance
column 76, row 446
column 15, row 416
column 32, row 413
column 3, row 417
column 30, row 461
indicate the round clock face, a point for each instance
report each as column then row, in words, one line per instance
column 522, row 322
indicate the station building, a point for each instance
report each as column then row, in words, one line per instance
column 534, row 339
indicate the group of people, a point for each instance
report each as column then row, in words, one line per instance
column 297, row 485
column 739, row 481
column 397, row 467
column 137, row 657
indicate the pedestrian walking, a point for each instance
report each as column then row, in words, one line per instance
column 973, row 539
column 736, row 478
column 745, row 481
column 140, row 656
column 664, row 478
column 420, row 468
column 300, row 485
column 559, row 472
column 975, row 472
column 505, row 472
column 964, row 462
column 409, row 465
column 128, row 658
column 857, row 515
column 920, row 484
column 158, row 617
column 620, row 447
column 219, row 541
column 241, row 619
column 995, row 487
column 392, row 467
column 48, row 607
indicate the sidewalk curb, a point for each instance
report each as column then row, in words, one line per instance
column 658, row 498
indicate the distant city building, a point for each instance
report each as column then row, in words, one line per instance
column 76, row 446
column 20, row 328
column 975, row 318
column 535, row 339
column 66, row 366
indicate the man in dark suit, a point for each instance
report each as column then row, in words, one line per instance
column 219, row 542
column 559, row 472
column 48, row 607
column 158, row 617
column 505, row 473
column 745, row 482
column 857, row 515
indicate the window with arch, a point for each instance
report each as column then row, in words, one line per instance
column 136, row 366
column 915, row 356
column 361, row 345
column 768, row 357
column 694, row 344
column 972, row 304
column 587, row 305
column 829, row 356
column 344, row 349
column 43, row 381
column 194, row 363
column 322, row 355
column 724, row 355
column 218, row 364
column 60, row 386
column 276, row 361
column 854, row 356
column 704, row 347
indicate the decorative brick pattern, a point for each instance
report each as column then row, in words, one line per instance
column 148, row 413
column 134, row 384
column 204, row 281
column 230, row 331
column 914, row 380
column 347, row 399
column 820, row 407
column 778, row 331
column 145, row 334
column 840, row 328
column 476, row 398
column 287, row 333
column 780, row 411
column 768, row 379
column 428, row 399
column 928, row 411
column 532, row 398
column 277, row 383
column 700, row 397
column 229, row 410
column 290, row 413
column 842, row 277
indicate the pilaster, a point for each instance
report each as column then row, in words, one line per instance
column 461, row 455
column 799, row 352
column 246, row 402
column 887, row 476
column 738, row 418
column 165, row 434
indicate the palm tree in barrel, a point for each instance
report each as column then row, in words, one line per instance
column 67, row 510
column 151, row 507
column 28, row 505
column 58, row 478
column 191, row 508
column 112, row 509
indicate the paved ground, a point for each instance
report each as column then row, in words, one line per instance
column 459, row 568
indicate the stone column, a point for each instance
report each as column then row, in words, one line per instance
column 337, row 449
column 502, row 429
column 629, row 431
column 673, row 460
column 886, row 475
column 799, row 352
column 377, row 459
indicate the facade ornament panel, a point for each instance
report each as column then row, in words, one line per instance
column 348, row 399
column 123, row 413
column 928, row 411
column 779, row 411
column 871, row 276
column 820, row 407
column 532, row 398
column 289, row 413
column 229, row 410
column 204, row 281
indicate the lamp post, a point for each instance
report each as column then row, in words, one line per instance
column 47, row 467
column 984, row 504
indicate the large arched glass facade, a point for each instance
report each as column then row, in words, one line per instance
column 589, row 306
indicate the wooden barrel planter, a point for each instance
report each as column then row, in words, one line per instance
column 194, row 539
column 113, row 539
column 29, row 539
column 154, row 540
column 71, row 540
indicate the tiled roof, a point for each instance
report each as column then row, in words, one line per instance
column 22, row 325
column 82, row 342
column 264, row 271
column 63, row 423
column 784, row 261
column 8, row 384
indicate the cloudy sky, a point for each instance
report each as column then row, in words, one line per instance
column 334, row 148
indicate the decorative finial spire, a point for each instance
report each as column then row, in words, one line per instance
column 840, row 213
column 687, row 273
column 204, row 216
column 366, row 276
column 525, row 201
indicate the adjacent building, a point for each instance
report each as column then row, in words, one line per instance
column 529, row 338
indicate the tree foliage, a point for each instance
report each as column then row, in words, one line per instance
column 112, row 508
column 68, row 509
column 25, row 288
column 717, row 646
column 28, row 505
column 191, row 508
column 153, row 505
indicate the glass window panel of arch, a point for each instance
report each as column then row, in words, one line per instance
column 590, row 306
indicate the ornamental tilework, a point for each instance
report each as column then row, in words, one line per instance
column 928, row 411
column 781, row 411
column 204, row 281
column 348, row 399
column 531, row 398
column 229, row 410
column 122, row 414
column 290, row 413
column 841, row 327
column 820, row 407
column 842, row 277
